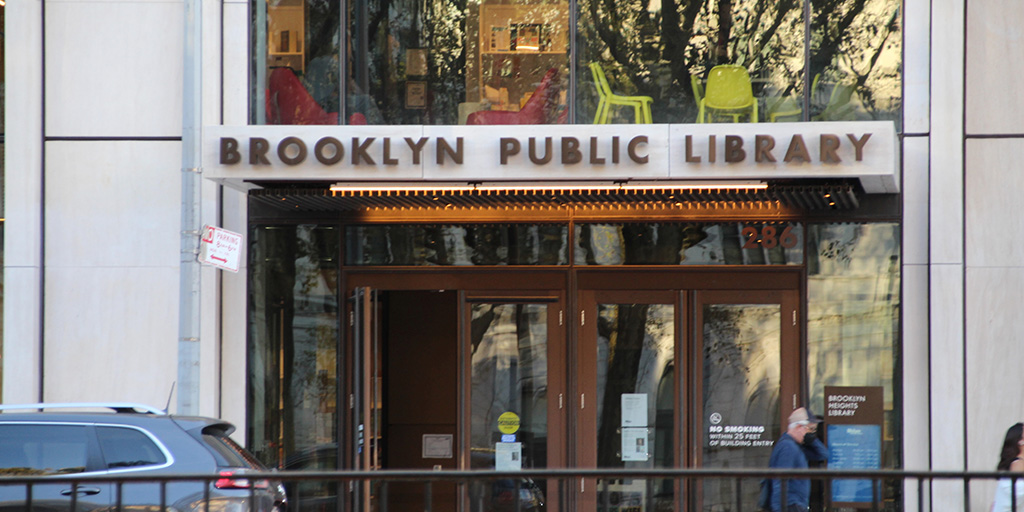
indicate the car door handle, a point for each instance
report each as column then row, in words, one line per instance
column 88, row 491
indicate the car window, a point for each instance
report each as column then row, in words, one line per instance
column 227, row 452
column 128, row 448
column 33, row 449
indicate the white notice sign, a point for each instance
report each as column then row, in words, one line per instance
column 220, row 248
column 508, row 456
column 634, row 444
column 634, row 410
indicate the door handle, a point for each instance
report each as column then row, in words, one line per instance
column 88, row 491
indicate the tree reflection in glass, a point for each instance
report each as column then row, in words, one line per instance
column 636, row 358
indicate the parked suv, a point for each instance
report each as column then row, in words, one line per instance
column 123, row 440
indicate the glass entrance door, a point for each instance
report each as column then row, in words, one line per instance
column 685, row 378
column 628, row 400
column 746, row 364
column 515, row 405
column 450, row 377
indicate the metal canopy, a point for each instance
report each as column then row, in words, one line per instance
column 823, row 196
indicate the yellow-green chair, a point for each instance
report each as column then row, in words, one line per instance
column 839, row 107
column 698, row 89
column 728, row 93
column 641, row 104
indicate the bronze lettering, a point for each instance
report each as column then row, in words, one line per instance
column 763, row 146
column 797, row 150
column 359, row 151
column 509, row 147
column 319, row 151
column 829, row 149
column 229, row 151
column 443, row 148
column 300, row 150
column 615, row 150
column 417, row 148
column 690, row 157
column 571, row 151
column 858, row 144
column 594, row 159
column 547, row 151
column 258, row 147
column 734, row 149
column 631, row 149
column 386, row 159
column 712, row 149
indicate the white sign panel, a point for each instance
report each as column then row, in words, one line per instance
column 508, row 456
column 220, row 248
column 634, row 409
column 422, row 155
column 634, row 444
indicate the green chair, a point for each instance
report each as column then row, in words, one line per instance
column 839, row 106
column 641, row 104
column 728, row 93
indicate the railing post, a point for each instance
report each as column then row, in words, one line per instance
column 876, row 495
column 428, row 497
column 1013, row 492
column 920, row 495
column 163, row 496
column 783, row 499
column 206, row 496
column 739, row 493
column 517, row 487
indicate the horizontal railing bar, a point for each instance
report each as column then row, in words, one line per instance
column 548, row 474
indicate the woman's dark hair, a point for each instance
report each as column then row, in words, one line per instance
column 1011, row 447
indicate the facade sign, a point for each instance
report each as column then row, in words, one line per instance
column 854, row 422
column 466, row 154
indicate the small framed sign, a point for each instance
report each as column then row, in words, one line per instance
column 415, row 94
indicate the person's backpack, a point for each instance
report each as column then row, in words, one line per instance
column 764, row 499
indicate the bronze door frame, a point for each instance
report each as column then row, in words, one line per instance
column 576, row 289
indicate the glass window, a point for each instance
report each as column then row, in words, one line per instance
column 509, row 363
column 635, row 402
column 457, row 245
column 293, row 339
column 33, row 449
column 507, row 61
column 745, row 60
column 855, row 60
column 128, row 448
column 689, row 244
column 853, row 301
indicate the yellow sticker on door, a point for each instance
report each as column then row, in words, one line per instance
column 508, row 422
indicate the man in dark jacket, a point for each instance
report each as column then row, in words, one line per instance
column 793, row 450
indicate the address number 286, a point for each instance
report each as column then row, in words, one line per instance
column 768, row 237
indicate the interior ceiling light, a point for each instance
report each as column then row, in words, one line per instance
column 632, row 186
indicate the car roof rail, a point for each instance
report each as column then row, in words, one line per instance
column 118, row 407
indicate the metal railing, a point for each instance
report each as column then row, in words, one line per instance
column 566, row 489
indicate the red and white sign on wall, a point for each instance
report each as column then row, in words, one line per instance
column 220, row 248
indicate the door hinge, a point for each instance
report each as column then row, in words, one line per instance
column 582, row 485
column 583, row 400
column 794, row 318
column 583, row 318
column 560, row 317
column 351, row 318
column 794, row 401
column 559, row 401
column 351, row 401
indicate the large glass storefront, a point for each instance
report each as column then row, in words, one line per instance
column 683, row 327
column 453, row 62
